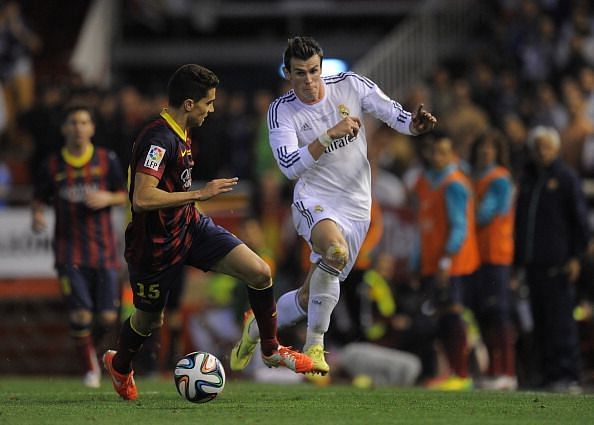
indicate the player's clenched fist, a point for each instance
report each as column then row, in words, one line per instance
column 348, row 126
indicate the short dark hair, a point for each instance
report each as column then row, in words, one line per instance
column 301, row 48
column 77, row 107
column 190, row 81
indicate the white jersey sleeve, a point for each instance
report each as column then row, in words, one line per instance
column 375, row 102
column 292, row 159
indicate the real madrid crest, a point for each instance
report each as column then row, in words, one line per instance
column 318, row 208
column 343, row 111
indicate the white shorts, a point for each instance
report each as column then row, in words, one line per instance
column 308, row 212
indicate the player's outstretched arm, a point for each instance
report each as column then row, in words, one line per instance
column 216, row 187
column 147, row 196
column 422, row 121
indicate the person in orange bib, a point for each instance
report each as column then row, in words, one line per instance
column 449, row 254
column 489, row 297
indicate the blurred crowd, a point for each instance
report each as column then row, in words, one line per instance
column 531, row 65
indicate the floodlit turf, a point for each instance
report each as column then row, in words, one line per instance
column 66, row 401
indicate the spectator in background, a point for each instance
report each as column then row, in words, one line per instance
column 441, row 90
column 575, row 46
column 465, row 120
column 586, row 79
column 580, row 128
column 489, row 295
column 509, row 96
column 83, row 182
column 514, row 130
column 548, row 110
column 484, row 86
column 537, row 54
column 449, row 254
column 551, row 235
column 17, row 43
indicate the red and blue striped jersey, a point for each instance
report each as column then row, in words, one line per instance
column 82, row 236
column 158, row 239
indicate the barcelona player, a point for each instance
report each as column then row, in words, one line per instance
column 83, row 182
column 167, row 232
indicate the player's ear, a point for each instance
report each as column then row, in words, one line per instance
column 286, row 73
column 188, row 105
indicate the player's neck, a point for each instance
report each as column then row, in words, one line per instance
column 318, row 99
column 179, row 116
column 77, row 149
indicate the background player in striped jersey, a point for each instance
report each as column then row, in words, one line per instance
column 167, row 232
column 82, row 182
column 318, row 139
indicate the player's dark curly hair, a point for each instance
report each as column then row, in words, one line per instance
column 301, row 48
column 190, row 81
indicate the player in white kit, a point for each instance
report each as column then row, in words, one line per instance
column 318, row 139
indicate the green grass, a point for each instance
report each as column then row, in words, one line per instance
column 66, row 401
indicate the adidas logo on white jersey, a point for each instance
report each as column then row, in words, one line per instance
column 306, row 127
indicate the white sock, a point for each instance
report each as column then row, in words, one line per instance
column 324, row 290
column 289, row 313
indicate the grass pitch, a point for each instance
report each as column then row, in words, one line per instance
column 66, row 401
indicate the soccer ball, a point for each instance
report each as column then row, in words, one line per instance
column 199, row 377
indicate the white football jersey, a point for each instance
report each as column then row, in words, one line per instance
column 342, row 175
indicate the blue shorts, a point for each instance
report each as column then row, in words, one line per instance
column 89, row 288
column 210, row 244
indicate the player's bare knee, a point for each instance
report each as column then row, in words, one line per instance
column 261, row 276
column 337, row 256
